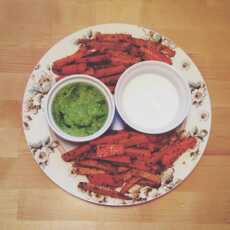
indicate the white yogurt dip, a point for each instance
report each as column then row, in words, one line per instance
column 150, row 101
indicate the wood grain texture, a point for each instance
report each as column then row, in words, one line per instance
column 28, row 199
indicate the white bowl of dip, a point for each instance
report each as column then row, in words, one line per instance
column 88, row 80
column 152, row 97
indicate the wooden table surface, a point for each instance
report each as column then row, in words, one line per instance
column 28, row 199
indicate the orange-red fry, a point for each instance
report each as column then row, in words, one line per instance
column 129, row 184
column 73, row 69
column 176, row 149
column 106, row 150
column 123, row 159
column 91, row 163
column 113, row 37
column 110, row 139
column 105, row 180
column 111, row 79
column 108, row 71
column 87, row 171
column 76, row 153
column 57, row 65
column 136, row 152
column 148, row 176
column 167, row 51
column 102, row 191
column 93, row 59
column 134, row 140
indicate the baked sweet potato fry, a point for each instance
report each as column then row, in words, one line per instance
column 176, row 149
column 129, row 184
column 148, row 176
column 103, row 47
column 144, row 182
column 117, row 159
column 73, row 69
column 113, row 37
column 117, row 58
column 102, row 191
column 110, row 139
column 136, row 152
column 109, row 150
column 140, row 165
column 108, row 71
column 167, row 51
column 76, row 153
column 172, row 151
column 105, row 180
column 87, row 171
column 121, row 169
column 90, row 163
column 89, row 71
column 111, row 80
column 156, row 56
column 134, row 140
column 57, row 65
column 92, row 59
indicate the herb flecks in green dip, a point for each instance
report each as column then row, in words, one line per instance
column 79, row 109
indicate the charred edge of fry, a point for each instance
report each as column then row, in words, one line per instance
column 129, row 184
column 102, row 191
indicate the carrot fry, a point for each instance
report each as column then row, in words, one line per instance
column 73, row 69
column 59, row 78
column 111, row 88
column 153, row 55
column 109, row 150
column 121, row 169
column 136, row 152
column 87, row 171
column 140, row 165
column 90, row 163
column 148, row 176
column 110, row 139
column 152, row 146
column 109, row 71
column 126, row 175
column 92, row 59
column 103, row 47
column 145, row 182
column 134, row 51
column 157, row 156
column 110, row 80
column 76, row 153
column 134, row 140
column 153, row 138
column 129, row 184
column 171, row 152
column 167, row 51
column 113, row 37
column 117, row 159
column 57, row 65
column 176, row 149
column 102, row 191
column 89, row 71
column 105, row 180
column 118, row 58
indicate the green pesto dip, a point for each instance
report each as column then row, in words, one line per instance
column 79, row 109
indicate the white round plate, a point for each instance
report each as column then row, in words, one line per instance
column 47, row 148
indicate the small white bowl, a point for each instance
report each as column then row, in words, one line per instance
column 164, row 73
column 90, row 81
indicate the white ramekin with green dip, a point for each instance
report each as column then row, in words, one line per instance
column 80, row 108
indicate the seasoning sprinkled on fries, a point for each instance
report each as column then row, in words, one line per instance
column 115, row 163
column 107, row 56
